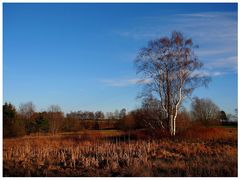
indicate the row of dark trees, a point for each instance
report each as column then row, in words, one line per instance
column 98, row 115
column 150, row 115
column 27, row 121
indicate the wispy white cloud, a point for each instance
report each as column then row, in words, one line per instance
column 206, row 26
column 207, row 73
column 213, row 52
column 228, row 64
column 207, row 14
column 211, row 27
column 139, row 33
column 124, row 82
column 219, row 67
column 134, row 81
column 214, row 32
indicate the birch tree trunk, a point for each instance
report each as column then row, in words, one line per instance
column 174, row 123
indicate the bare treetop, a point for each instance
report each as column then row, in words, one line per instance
column 54, row 108
column 27, row 109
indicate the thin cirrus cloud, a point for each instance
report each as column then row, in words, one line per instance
column 204, row 23
column 214, row 32
column 135, row 81
column 206, row 73
column 124, row 82
column 215, row 52
column 211, row 69
column 212, row 28
column 206, row 14
column 228, row 64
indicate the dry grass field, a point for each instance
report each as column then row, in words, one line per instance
column 195, row 152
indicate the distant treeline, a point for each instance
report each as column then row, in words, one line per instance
column 26, row 121
column 229, row 123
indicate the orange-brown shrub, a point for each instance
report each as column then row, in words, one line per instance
column 198, row 131
column 183, row 121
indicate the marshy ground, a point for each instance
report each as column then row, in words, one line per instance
column 195, row 152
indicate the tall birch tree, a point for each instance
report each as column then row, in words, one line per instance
column 172, row 71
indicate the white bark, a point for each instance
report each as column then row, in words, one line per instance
column 173, row 132
column 172, row 125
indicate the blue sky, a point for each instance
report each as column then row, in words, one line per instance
column 80, row 56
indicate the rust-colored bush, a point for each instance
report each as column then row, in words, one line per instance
column 208, row 133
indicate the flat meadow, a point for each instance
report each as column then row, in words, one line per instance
column 194, row 152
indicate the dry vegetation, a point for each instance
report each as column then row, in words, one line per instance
column 202, row 152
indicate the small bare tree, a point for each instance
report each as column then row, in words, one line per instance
column 172, row 70
column 27, row 109
column 205, row 111
column 55, row 116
